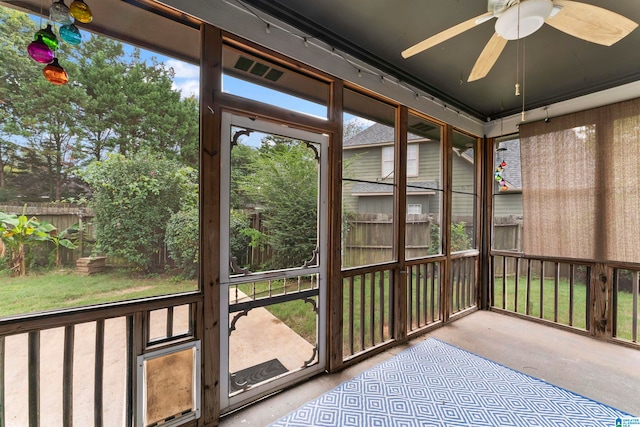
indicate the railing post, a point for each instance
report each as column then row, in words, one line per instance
column 600, row 293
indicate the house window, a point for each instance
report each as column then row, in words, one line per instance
column 387, row 161
column 414, row 209
column 412, row 160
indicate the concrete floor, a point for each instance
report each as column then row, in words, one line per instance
column 604, row 372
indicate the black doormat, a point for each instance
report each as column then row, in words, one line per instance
column 256, row 374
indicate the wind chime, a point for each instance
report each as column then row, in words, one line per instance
column 498, row 174
column 45, row 43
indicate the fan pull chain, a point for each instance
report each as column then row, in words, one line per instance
column 524, row 69
column 518, row 54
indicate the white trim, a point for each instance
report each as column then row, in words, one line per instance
column 228, row 120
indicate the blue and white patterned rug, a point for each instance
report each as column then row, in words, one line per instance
column 434, row 384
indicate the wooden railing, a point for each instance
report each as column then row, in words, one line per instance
column 423, row 294
column 626, row 284
column 78, row 367
column 464, row 284
column 368, row 295
column 370, row 320
column 600, row 299
column 556, row 291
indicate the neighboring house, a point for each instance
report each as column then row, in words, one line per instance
column 369, row 176
column 368, row 185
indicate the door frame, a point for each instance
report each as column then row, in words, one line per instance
column 289, row 130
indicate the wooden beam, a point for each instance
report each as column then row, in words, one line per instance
column 335, row 289
column 210, row 136
column 445, row 222
column 400, row 220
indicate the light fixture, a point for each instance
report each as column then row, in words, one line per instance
column 59, row 12
column 39, row 51
column 70, row 34
column 519, row 22
column 80, row 11
column 55, row 73
column 48, row 37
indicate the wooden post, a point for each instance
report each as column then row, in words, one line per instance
column 445, row 222
column 335, row 288
column 210, row 135
column 601, row 292
column 400, row 214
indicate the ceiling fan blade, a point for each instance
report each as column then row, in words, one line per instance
column 446, row 35
column 488, row 57
column 591, row 23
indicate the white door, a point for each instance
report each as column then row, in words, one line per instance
column 273, row 257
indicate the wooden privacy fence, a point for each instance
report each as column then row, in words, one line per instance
column 369, row 238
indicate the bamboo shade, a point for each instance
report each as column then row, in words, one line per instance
column 581, row 185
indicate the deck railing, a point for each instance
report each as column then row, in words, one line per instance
column 567, row 293
column 368, row 295
column 626, row 284
column 78, row 367
column 464, row 284
column 423, row 294
column 552, row 290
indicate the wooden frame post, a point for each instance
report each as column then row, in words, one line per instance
column 210, row 130
column 400, row 216
column 335, row 319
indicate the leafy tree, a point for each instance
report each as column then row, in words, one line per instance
column 16, row 32
column 283, row 186
column 133, row 200
column 101, row 70
column 113, row 102
column 152, row 116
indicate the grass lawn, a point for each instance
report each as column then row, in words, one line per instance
column 38, row 292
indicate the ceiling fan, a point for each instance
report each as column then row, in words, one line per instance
column 517, row 19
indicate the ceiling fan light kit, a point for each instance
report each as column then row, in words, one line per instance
column 523, row 19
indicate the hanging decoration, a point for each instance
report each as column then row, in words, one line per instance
column 499, row 173
column 48, row 37
column 46, row 42
column 70, row 34
column 59, row 12
column 39, row 51
column 80, row 11
column 55, row 73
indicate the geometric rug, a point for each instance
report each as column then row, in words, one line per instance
column 435, row 384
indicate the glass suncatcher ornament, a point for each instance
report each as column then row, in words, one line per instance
column 48, row 37
column 80, row 10
column 55, row 73
column 70, row 34
column 59, row 12
column 39, row 51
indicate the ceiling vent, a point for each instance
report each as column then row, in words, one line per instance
column 258, row 69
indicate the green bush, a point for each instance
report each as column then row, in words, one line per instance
column 133, row 201
column 182, row 242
